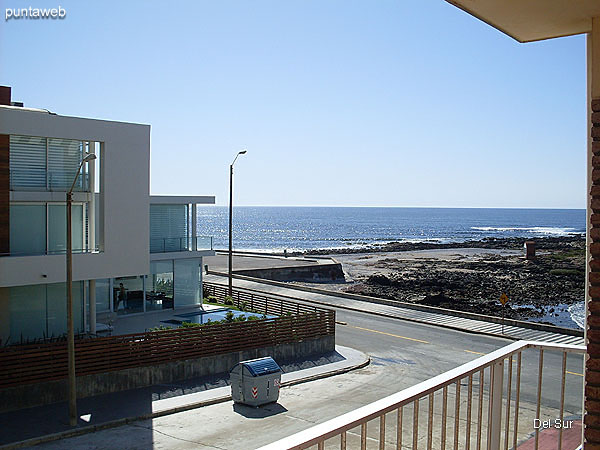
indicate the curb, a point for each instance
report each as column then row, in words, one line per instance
column 176, row 409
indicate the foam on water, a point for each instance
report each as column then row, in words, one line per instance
column 577, row 311
column 549, row 231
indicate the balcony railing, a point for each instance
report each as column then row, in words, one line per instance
column 489, row 403
column 47, row 180
column 181, row 244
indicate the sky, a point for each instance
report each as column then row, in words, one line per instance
column 338, row 102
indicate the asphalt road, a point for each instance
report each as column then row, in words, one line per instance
column 403, row 354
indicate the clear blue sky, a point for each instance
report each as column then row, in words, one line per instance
column 339, row 102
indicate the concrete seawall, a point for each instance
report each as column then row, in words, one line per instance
column 314, row 273
column 89, row 385
column 268, row 267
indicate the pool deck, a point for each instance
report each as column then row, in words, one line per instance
column 138, row 323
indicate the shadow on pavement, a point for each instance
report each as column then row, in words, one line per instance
column 259, row 412
column 47, row 419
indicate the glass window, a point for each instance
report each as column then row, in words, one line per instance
column 56, row 301
column 187, row 282
column 128, row 295
column 40, row 311
column 159, row 289
column 168, row 228
column 102, row 295
column 64, row 157
column 57, row 228
column 28, row 229
column 27, row 313
column 4, row 315
column 27, row 163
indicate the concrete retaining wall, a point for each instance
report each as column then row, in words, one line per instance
column 56, row 391
column 315, row 273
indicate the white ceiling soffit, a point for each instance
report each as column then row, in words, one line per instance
column 534, row 20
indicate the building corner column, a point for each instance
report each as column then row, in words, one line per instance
column 591, row 406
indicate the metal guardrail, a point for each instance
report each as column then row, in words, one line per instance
column 469, row 427
column 265, row 304
column 181, row 244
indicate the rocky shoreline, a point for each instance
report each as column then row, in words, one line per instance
column 451, row 277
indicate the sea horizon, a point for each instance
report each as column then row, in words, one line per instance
column 399, row 207
column 302, row 228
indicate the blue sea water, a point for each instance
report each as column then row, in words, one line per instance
column 303, row 228
column 273, row 229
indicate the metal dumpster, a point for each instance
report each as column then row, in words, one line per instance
column 255, row 382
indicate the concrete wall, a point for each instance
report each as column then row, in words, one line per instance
column 56, row 391
column 125, row 185
column 321, row 273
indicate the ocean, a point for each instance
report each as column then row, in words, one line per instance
column 275, row 229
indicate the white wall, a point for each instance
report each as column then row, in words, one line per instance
column 125, row 186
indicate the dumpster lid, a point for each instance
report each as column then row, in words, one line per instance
column 261, row 366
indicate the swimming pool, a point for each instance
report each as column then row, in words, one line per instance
column 212, row 315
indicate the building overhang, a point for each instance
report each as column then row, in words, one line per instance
column 534, row 20
column 182, row 199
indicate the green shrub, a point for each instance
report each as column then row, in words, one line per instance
column 160, row 328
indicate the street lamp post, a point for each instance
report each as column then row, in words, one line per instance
column 70, row 332
column 243, row 152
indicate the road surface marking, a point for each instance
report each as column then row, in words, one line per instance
column 477, row 353
column 574, row 373
column 390, row 334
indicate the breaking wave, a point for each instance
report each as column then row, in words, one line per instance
column 577, row 311
column 548, row 231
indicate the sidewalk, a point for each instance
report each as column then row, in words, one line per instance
column 548, row 437
column 398, row 312
column 50, row 422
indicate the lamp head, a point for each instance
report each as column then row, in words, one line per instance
column 243, row 152
column 89, row 157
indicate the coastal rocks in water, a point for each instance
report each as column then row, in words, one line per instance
column 553, row 243
column 556, row 277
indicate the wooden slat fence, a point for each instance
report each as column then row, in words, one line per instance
column 34, row 363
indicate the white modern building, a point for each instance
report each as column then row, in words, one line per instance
column 133, row 253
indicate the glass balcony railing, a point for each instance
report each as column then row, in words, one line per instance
column 47, row 180
column 181, row 244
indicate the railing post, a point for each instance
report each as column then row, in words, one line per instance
column 496, row 389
